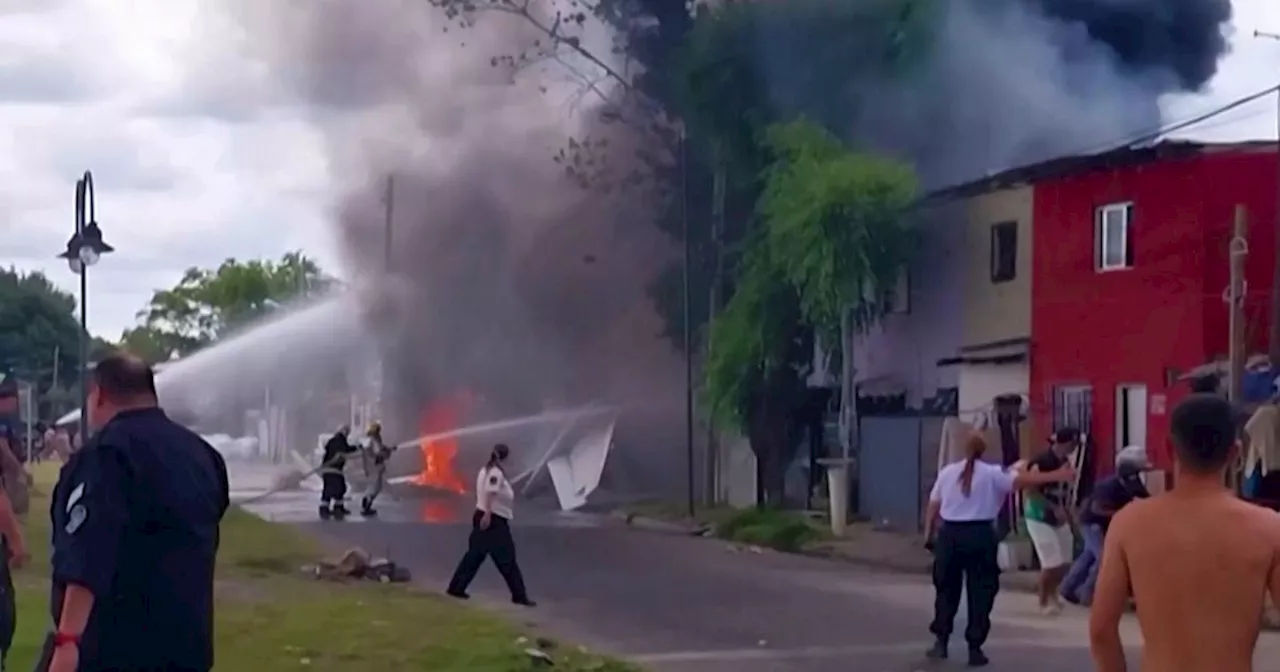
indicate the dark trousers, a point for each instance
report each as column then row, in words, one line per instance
column 333, row 487
column 964, row 560
column 494, row 542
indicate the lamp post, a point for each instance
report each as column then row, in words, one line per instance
column 84, row 249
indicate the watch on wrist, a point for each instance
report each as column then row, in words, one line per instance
column 61, row 639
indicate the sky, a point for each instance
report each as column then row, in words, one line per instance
column 150, row 95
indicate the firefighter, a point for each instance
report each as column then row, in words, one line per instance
column 376, row 454
column 333, row 478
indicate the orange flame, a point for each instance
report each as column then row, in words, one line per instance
column 438, row 469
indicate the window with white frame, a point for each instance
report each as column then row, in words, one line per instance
column 1113, row 237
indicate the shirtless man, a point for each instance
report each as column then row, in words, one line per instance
column 1198, row 560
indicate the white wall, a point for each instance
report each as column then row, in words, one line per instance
column 980, row 383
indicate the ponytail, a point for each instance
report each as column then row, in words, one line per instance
column 974, row 448
column 966, row 476
column 499, row 453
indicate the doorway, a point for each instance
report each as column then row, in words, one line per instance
column 1131, row 416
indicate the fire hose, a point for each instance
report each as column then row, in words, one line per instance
column 292, row 482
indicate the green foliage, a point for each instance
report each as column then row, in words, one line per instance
column 835, row 221
column 38, row 323
column 833, row 238
column 752, row 339
column 771, row 528
column 208, row 303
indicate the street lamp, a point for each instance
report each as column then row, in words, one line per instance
column 84, row 249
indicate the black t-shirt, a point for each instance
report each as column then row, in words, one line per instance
column 135, row 521
column 1054, row 493
column 1112, row 494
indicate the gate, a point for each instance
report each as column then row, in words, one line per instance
column 897, row 464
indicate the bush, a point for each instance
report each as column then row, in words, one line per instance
column 771, row 528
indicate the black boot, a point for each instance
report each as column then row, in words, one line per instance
column 977, row 658
column 340, row 510
column 938, row 651
column 325, row 512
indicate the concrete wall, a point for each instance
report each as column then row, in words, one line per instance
column 997, row 311
column 903, row 351
column 981, row 383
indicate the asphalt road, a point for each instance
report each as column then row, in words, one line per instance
column 683, row 604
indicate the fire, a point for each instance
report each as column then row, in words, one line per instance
column 438, row 456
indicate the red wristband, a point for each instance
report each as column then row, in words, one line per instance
column 61, row 639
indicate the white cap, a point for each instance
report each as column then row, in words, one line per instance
column 1134, row 456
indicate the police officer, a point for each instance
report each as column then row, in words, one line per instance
column 135, row 517
column 491, row 532
column 966, row 498
column 376, row 454
column 333, row 475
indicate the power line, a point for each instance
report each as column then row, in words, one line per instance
column 1180, row 125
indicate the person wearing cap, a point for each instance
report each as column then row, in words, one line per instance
column 1048, row 525
column 1109, row 496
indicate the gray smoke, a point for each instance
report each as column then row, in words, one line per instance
column 511, row 280
column 1011, row 82
column 507, row 278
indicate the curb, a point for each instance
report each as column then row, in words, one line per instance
column 647, row 524
column 1019, row 581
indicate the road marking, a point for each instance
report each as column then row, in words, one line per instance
column 812, row 652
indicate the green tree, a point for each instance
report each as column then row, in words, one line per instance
column 39, row 330
column 833, row 238
column 206, row 304
column 723, row 74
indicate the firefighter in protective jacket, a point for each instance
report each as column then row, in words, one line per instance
column 376, row 454
column 333, row 490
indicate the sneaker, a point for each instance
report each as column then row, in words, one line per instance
column 524, row 602
column 1051, row 610
column 457, row 594
column 1072, row 599
column 977, row 658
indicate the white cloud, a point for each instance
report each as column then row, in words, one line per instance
column 196, row 156
column 185, row 172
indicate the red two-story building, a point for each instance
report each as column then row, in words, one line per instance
column 1129, row 270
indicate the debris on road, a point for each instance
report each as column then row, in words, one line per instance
column 357, row 564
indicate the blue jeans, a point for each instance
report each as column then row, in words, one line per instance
column 1077, row 586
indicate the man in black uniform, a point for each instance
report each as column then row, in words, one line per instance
column 333, row 478
column 135, row 519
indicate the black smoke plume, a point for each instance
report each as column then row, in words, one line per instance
column 509, row 279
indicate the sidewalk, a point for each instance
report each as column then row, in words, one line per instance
column 880, row 549
column 863, row 545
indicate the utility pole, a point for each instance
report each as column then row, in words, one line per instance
column 1273, row 342
column 388, row 203
column 1238, row 250
column 688, row 322
column 713, row 306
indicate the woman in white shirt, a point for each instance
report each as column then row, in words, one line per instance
column 491, row 532
column 967, row 498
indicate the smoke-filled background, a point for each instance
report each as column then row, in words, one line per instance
column 507, row 279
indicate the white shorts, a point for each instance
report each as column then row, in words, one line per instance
column 1054, row 545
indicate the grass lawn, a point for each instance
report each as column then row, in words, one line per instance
column 271, row 618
